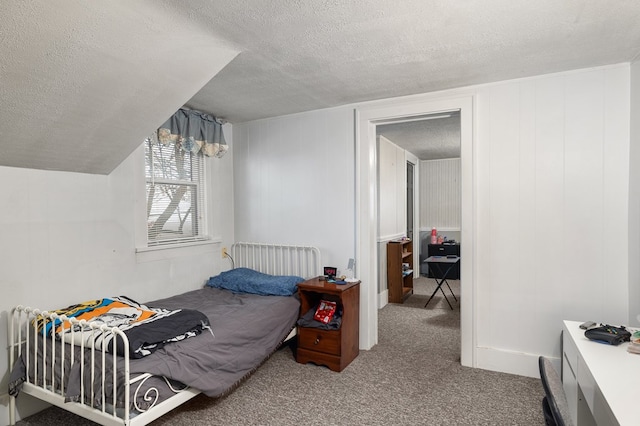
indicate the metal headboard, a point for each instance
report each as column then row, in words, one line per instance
column 278, row 259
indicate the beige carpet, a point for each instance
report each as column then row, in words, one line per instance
column 412, row 377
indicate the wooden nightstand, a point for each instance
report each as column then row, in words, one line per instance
column 333, row 348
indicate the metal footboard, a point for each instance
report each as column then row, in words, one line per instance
column 48, row 361
column 104, row 383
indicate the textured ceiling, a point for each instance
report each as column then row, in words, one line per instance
column 302, row 55
column 435, row 138
column 82, row 82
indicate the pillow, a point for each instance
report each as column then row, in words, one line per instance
column 245, row 280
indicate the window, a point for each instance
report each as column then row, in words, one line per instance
column 175, row 194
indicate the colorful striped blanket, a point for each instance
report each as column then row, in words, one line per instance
column 147, row 329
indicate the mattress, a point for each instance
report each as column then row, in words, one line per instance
column 245, row 330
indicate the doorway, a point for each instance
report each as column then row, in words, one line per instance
column 366, row 213
column 410, row 203
column 427, row 194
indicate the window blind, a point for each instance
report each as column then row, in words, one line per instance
column 175, row 194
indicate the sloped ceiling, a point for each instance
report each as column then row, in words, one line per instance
column 300, row 55
column 83, row 82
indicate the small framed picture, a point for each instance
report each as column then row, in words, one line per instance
column 330, row 271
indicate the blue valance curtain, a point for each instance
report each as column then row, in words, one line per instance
column 194, row 131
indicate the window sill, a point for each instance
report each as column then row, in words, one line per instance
column 153, row 253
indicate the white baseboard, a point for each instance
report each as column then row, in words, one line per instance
column 383, row 299
column 503, row 361
column 500, row 360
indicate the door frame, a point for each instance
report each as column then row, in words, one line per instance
column 366, row 225
column 410, row 158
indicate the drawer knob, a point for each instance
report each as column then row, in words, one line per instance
column 317, row 340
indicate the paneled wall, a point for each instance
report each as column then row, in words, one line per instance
column 294, row 182
column 552, row 187
column 392, row 190
column 551, row 184
column 440, row 194
column 634, row 200
column 392, row 201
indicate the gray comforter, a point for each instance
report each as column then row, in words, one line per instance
column 246, row 329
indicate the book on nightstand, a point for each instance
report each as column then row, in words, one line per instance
column 325, row 311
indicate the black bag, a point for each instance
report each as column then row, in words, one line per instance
column 608, row 334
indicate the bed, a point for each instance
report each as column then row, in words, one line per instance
column 109, row 383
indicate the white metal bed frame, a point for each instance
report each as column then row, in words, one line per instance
column 268, row 258
column 276, row 259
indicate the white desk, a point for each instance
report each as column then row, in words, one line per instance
column 602, row 382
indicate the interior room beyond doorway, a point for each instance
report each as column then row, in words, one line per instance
column 418, row 165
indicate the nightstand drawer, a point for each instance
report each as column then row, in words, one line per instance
column 315, row 339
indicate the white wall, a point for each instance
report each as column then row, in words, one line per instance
column 294, row 182
column 440, row 202
column 634, row 200
column 392, row 190
column 440, row 195
column 392, row 202
column 552, row 209
column 551, row 176
column 69, row 237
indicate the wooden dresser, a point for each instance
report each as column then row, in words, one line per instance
column 333, row 348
